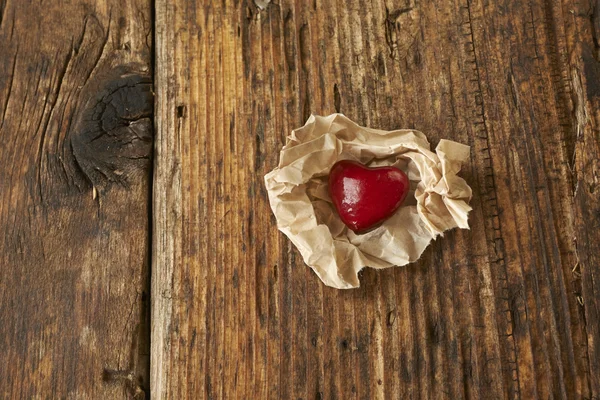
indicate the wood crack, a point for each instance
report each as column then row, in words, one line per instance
column 3, row 5
column 10, row 87
column 44, row 129
column 12, row 27
column 134, row 303
column 595, row 27
column 105, row 42
column 490, row 189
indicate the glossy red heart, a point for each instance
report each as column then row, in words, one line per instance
column 365, row 197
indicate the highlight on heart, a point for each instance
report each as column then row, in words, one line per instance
column 396, row 221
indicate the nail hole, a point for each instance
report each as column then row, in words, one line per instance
column 181, row 111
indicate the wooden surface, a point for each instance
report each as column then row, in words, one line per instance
column 75, row 144
column 508, row 309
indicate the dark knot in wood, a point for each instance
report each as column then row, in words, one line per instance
column 112, row 138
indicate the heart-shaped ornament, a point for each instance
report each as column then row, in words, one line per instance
column 365, row 197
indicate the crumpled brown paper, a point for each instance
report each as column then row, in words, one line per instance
column 298, row 195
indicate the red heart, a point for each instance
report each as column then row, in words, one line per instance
column 365, row 197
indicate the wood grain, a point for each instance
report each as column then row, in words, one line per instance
column 76, row 133
column 584, row 23
column 508, row 309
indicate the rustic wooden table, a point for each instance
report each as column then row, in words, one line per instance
column 128, row 272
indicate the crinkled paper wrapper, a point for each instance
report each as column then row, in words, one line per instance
column 298, row 195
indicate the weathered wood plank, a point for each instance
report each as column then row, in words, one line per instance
column 76, row 134
column 494, row 312
column 583, row 78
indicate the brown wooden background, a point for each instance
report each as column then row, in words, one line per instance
column 123, row 280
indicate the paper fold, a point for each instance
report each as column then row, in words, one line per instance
column 298, row 195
